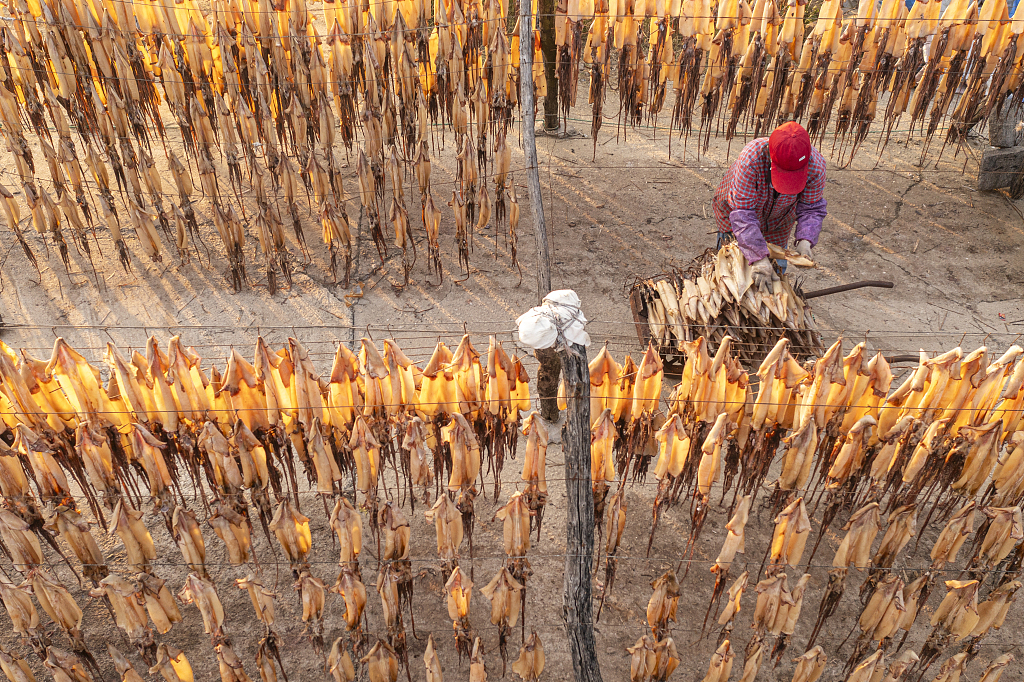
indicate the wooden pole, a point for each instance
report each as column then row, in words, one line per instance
column 577, row 605
column 528, row 123
column 547, row 382
column 547, row 373
column 546, row 21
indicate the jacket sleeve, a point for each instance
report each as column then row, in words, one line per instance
column 811, row 207
column 744, row 201
column 808, row 220
column 746, row 227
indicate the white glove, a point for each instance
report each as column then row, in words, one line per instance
column 762, row 273
column 803, row 247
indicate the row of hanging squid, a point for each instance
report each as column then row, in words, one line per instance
column 946, row 445
column 89, row 447
column 269, row 96
column 748, row 66
column 170, row 422
column 264, row 95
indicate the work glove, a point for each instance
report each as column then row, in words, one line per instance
column 803, row 247
column 762, row 273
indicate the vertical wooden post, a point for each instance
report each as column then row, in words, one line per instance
column 577, row 605
column 528, row 123
column 547, row 374
column 546, row 21
column 547, row 382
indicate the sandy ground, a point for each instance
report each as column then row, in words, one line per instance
column 953, row 253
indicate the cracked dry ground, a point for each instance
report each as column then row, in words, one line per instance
column 954, row 255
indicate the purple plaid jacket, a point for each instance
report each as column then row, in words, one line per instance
column 747, row 206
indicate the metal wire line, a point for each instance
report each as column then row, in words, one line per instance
column 397, row 335
column 395, row 490
column 423, row 351
column 621, row 341
column 399, row 338
column 849, row 334
column 342, row 7
column 174, row 196
column 716, row 488
column 561, row 556
column 227, row 194
column 483, row 401
column 641, row 626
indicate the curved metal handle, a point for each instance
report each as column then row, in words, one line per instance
column 881, row 284
column 893, row 359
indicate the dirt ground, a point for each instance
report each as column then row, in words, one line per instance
column 954, row 255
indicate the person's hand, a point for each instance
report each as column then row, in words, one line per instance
column 762, row 273
column 803, row 247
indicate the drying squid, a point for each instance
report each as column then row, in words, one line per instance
column 530, row 663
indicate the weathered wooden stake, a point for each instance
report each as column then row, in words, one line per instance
column 547, row 382
column 577, row 604
column 528, row 124
column 546, row 20
column 547, row 375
